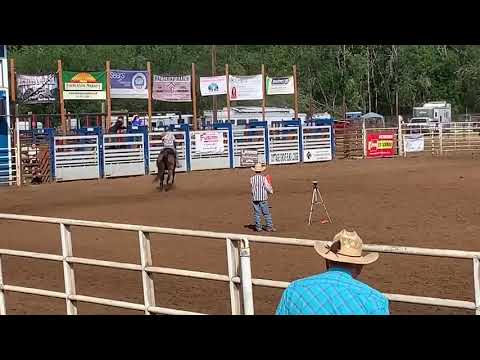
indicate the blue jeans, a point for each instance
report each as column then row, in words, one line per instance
column 261, row 208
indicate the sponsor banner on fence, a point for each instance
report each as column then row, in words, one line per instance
column 284, row 157
column 172, row 88
column 213, row 85
column 209, row 142
column 245, row 87
column 248, row 158
column 36, row 89
column 128, row 84
column 317, row 155
column 380, row 144
column 84, row 85
column 280, row 85
column 414, row 142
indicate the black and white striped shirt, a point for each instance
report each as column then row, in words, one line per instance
column 260, row 188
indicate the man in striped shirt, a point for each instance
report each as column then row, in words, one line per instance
column 260, row 190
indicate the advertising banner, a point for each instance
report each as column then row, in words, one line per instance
column 414, row 142
column 284, row 157
column 84, row 85
column 313, row 155
column 248, row 158
column 128, row 84
column 213, row 85
column 36, row 89
column 380, row 145
column 172, row 88
column 245, row 87
column 280, row 85
column 209, row 142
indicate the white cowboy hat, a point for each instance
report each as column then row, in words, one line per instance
column 345, row 248
column 258, row 167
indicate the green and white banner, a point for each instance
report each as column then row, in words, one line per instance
column 280, row 85
column 84, row 85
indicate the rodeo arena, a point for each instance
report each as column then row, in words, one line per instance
column 89, row 226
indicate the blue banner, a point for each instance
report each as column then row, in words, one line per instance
column 128, row 84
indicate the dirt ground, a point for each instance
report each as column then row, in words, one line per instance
column 414, row 202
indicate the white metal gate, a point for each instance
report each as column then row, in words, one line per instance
column 284, row 146
column 317, row 143
column 202, row 158
column 76, row 157
column 249, row 139
column 123, row 155
column 155, row 146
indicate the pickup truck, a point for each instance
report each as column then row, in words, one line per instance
column 421, row 125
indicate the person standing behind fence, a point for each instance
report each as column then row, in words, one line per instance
column 336, row 291
column 260, row 190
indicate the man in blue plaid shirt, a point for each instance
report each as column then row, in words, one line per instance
column 336, row 291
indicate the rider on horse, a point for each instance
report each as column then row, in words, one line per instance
column 169, row 143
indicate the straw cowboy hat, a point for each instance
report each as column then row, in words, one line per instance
column 346, row 248
column 258, row 167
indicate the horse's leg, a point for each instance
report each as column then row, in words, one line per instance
column 169, row 178
column 161, row 172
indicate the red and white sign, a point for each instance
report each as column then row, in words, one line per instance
column 209, row 142
column 380, row 145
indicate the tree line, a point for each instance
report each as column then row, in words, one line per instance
column 332, row 78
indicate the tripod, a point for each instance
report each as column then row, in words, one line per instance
column 317, row 199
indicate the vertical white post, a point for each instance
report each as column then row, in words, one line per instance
column 476, row 281
column 246, row 278
column 400, row 137
column 147, row 280
column 440, row 136
column 364, row 138
column 3, row 307
column 233, row 264
column 68, row 273
column 18, row 158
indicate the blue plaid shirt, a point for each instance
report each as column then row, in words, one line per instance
column 334, row 292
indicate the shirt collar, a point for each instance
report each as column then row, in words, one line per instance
column 341, row 270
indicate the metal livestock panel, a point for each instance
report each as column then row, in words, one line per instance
column 202, row 159
column 123, row 155
column 249, row 139
column 156, row 146
column 284, row 145
column 458, row 137
column 76, row 157
column 7, row 166
column 317, row 143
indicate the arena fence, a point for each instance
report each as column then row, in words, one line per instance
column 239, row 277
column 8, row 166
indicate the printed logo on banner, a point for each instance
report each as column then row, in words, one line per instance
column 280, row 86
column 172, row 88
column 284, row 157
column 209, row 142
column 128, row 84
column 245, row 87
column 380, row 145
column 248, row 157
column 213, row 85
column 317, row 155
column 84, row 85
column 414, row 142
column 36, row 89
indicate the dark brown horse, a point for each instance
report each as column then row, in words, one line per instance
column 166, row 161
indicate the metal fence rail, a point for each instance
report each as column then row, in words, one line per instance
column 238, row 261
